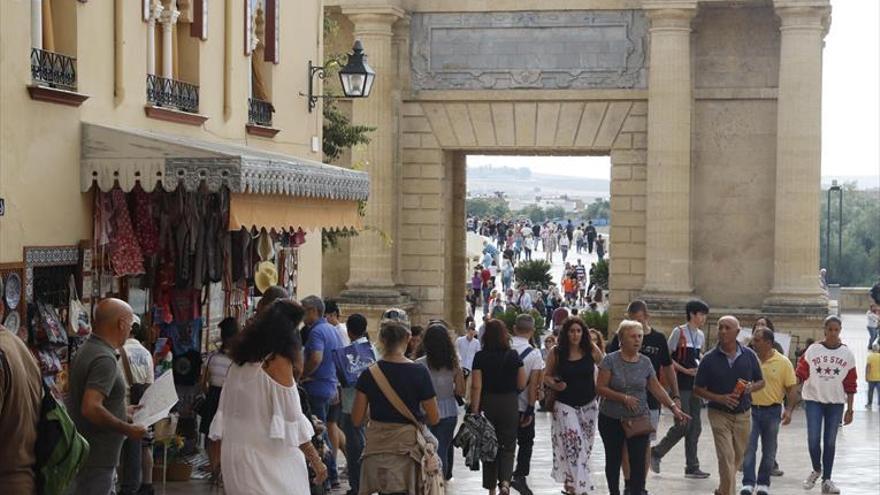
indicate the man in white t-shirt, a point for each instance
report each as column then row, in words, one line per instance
column 136, row 453
column 533, row 363
column 467, row 346
column 331, row 313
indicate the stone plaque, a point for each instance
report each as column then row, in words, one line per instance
column 540, row 50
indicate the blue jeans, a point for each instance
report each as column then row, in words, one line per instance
column 817, row 414
column 444, row 431
column 765, row 425
column 872, row 335
column 320, row 408
column 871, row 387
column 354, row 447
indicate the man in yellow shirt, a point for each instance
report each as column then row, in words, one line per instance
column 767, row 412
column 872, row 374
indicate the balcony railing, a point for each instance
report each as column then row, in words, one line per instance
column 170, row 93
column 260, row 112
column 53, row 69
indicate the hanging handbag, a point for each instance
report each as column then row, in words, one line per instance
column 432, row 474
column 549, row 400
column 637, row 426
column 78, row 321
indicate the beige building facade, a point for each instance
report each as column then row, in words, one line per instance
column 709, row 111
column 186, row 93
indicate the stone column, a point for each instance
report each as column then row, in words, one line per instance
column 37, row 24
column 168, row 18
column 155, row 14
column 372, row 256
column 798, row 158
column 668, row 233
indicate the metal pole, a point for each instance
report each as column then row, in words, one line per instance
column 839, row 229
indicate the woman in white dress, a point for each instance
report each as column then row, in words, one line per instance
column 266, row 437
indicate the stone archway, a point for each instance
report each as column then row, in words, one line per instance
column 709, row 110
column 435, row 137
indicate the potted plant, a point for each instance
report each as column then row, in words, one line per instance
column 172, row 453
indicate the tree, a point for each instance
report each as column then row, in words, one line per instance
column 553, row 212
column 599, row 208
column 487, row 207
column 534, row 213
column 858, row 263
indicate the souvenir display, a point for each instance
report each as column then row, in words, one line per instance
column 13, row 322
column 13, row 291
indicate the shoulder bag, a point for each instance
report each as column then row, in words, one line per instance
column 432, row 474
column 549, row 401
column 637, row 426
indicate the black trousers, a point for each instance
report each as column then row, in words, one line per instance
column 525, row 440
column 613, row 437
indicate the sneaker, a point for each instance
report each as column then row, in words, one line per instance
column 829, row 487
column 747, row 490
column 655, row 462
column 776, row 471
column 519, row 484
column 762, row 490
column 810, row 482
column 695, row 474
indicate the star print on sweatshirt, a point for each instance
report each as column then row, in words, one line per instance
column 828, row 374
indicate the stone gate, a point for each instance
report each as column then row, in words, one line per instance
column 709, row 111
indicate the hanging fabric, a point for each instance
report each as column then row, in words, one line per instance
column 125, row 257
column 48, row 27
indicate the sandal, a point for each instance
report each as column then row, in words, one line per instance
column 504, row 488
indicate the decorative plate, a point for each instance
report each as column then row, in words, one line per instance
column 13, row 291
column 13, row 321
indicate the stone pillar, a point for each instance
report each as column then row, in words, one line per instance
column 372, row 252
column 168, row 18
column 668, row 234
column 798, row 158
column 155, row 14
column 37, row 24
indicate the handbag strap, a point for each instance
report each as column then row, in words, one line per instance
column 126, row 366
column 391, row 395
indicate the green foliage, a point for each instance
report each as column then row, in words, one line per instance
column 599, row 208
column 540, row 215
column 597, row 320
column 509, row 319
column 859, row 260
column 534, row 274
column 600, row 274
column 487, row 207
column 339, row 133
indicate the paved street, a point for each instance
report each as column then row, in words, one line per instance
column 856, row 472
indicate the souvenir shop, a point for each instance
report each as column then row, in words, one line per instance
column 196, row 244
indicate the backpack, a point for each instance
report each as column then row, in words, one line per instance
column 60, row 450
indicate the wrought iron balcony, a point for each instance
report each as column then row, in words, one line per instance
column 171, row 93
column 53, row 69
column 260, row 112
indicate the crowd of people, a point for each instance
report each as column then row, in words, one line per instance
column 277, row 390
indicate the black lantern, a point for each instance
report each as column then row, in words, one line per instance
column 356, row 77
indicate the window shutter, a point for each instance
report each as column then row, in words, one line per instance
column 273, row 29
column 199, row 26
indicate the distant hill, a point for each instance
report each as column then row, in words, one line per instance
column 523, row 182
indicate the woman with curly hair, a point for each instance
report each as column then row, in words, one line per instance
column 570, row 372
column 266, row 437
column 441, row 361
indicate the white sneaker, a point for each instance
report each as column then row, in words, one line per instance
column 828, row 487
column 762, row 490
column 810, row 482
column 747, row 490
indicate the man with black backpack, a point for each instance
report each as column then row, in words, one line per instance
column 21, row 391
column 97, row 397
column 533, row 363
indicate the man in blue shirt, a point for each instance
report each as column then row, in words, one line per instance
column 726, row 378
column 319, row 371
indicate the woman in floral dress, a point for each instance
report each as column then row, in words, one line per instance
column 571, row 373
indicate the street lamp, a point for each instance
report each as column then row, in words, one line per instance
column 834, row 188
column 356, row 77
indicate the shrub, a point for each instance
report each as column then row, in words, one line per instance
column 600, row 274
column 534, row 274
column 597, row 320
column 509, row 319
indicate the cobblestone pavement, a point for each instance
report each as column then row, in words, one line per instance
column 856, row 469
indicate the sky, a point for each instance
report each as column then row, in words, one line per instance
column 850, row 104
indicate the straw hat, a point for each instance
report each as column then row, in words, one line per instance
column 266, row 275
